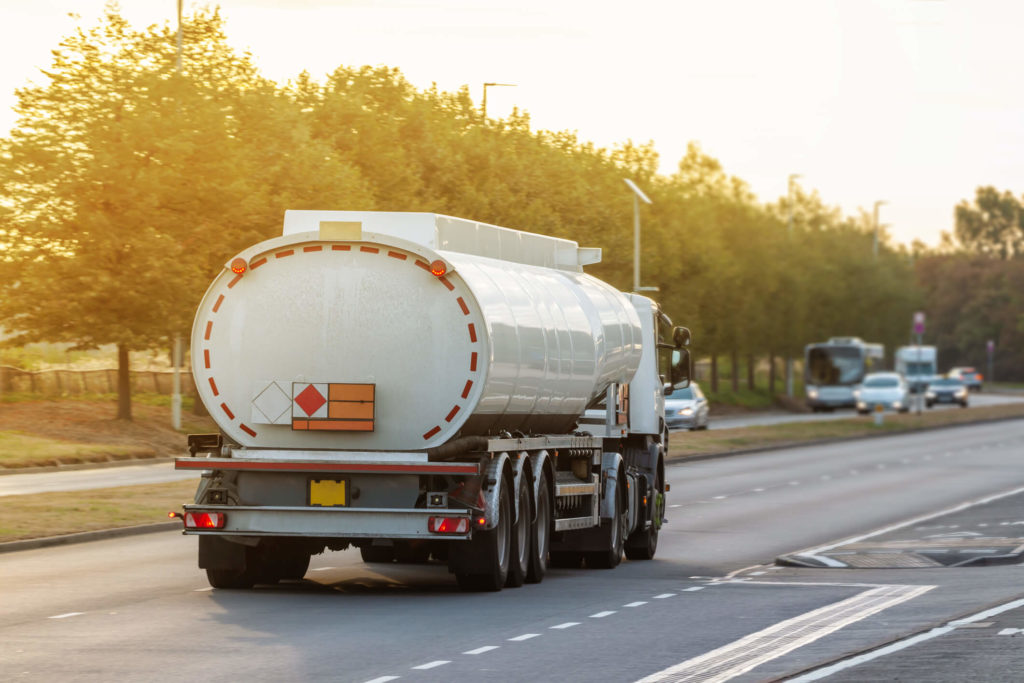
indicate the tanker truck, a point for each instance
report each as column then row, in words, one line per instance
column 426, row 388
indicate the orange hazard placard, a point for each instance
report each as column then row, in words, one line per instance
column 321, row 406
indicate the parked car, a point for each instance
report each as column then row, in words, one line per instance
column 686, row 408
column 968, row 375
column 946, row 390
column 887, row 389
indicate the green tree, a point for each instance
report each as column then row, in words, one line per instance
column 993, row 225
column 130, row 183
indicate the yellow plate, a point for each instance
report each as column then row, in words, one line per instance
column 328, row 492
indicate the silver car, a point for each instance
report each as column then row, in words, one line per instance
column 886, row 389
column 686, row 408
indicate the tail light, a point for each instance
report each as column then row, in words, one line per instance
column 205, row 520
column 448, row 525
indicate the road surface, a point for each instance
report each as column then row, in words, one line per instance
column 712, row 601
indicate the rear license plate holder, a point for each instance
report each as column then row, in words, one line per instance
column 332, row 492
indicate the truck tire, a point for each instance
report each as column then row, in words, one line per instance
column 493, row 548
column 232, row 579
column 540, row 533
column 290, row 566
column 643, row 544
column 616, row 530
column 377, row 553
column 519, row 558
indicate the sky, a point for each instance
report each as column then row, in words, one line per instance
column 914, row 103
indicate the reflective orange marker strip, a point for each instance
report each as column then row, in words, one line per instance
column 370, row 250
column 227, row 410
column 213, row 385
column 220, row 300
column 247, row 430
column 286, row 252
column 315, row 248
column 256, row 264
column 341, row 247
column 452, row 414
column 209, row 326
column 433, row 431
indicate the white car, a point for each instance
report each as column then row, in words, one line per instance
column 686, row 408
column 887, row 389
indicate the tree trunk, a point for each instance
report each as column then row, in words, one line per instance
column 124, row 385
column 714, row 373
column 735, row 372
column 771, row 373
column 750, row 371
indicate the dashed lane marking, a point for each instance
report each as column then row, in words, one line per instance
column 66, row 615
column 719, row 497
column 525, row 636
column 432, row 665
column 383, row 679
column 481, row 650
column 662, row 596
column 321, row 569
column 636, row 604
column 691, row 589
column 601, row 615
column 1012, row 632
column 568, row 624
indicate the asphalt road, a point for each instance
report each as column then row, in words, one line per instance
column 711, row 606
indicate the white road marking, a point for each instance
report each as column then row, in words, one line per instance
column 719, row 497
column 1011, row 631
column 568, row 624
column 677, row 505
column 65, row 615
column 321, row 569
column 525, row 636
column 662, row 596
column 636, row 604
column 432, row 665
column 203, row 590
column 601, row 615
column 747, row 653
column 384, row 679
column 758, row 490
column 481, row 650
column 758, row 573
column 693, row 588
column 903, row 644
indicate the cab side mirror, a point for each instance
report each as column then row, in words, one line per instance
column 681, row 369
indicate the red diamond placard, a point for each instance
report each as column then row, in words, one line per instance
column 310, row 400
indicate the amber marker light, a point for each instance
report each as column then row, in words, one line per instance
column 438, row 268
column 238, row 266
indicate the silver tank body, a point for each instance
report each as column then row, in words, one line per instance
column 492, row 345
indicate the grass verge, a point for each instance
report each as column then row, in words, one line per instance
column 24, row 450
column 714, row 441
column 68, row 512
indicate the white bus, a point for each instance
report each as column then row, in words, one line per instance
column 834, row 368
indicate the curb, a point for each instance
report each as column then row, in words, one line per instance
column 675, row 459
column 83, row 536
column 86, row 465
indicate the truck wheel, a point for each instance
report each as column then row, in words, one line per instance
column 291, row 566
column 643, row 544
column 230, row 578
column 377, row 553
column 610, row 558
column 519, row 562
column 493, row 548
column 540, row 533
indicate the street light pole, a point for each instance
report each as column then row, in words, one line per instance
column 874, row 244
column 638, row 195
column 489, row 85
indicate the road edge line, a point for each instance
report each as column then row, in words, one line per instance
column 84, row 536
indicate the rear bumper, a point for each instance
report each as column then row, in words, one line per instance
column 328, row 522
